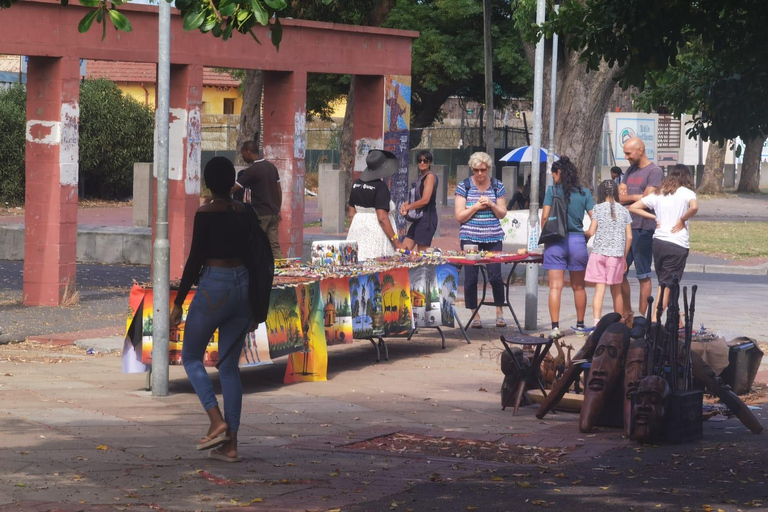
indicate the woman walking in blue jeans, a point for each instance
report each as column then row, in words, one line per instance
column 217, row 259
column 480, row 203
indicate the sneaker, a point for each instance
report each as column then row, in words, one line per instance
column 582, row 331
column 555, row 333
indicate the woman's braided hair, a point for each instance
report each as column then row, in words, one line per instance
column 606, row 189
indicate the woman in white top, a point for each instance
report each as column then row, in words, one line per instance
column 672, row 205
column 371, row 210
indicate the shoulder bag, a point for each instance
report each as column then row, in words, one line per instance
column 556, row 227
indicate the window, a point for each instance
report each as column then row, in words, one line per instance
column 229, row 105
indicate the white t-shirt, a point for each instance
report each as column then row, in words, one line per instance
column 668, row 210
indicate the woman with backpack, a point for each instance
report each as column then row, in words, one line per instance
column 218, row 262
column 421, row 209
column 480, row 204
column 569, row 253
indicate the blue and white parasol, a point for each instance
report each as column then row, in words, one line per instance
column 524, row 154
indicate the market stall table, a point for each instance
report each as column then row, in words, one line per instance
column 514, row 259
column 312, row 308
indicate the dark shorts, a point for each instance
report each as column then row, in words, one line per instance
column 423, row 230
column 669, row 260
column 641, row 252
column 570, row 253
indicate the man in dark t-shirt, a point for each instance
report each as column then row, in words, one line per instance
column 262, row 180
column 641, row 179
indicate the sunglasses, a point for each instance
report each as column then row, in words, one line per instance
column 480, row 169
column 424, row 160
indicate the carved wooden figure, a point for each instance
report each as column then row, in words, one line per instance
column 607, row 365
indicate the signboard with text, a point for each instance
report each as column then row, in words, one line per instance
column 628, row 127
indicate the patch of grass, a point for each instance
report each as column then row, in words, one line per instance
column 739, row 240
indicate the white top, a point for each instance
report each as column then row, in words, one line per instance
column 611, row 234
column 668, row 210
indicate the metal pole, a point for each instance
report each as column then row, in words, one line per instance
column 532, row 271
column 489, row 123
column 552, row 100
column 161, row 274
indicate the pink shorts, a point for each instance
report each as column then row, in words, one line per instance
column 604, row 269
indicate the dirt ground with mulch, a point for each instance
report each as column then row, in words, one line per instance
column 469, row 449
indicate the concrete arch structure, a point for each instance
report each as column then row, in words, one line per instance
column 378, row 59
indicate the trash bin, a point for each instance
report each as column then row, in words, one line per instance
column 744, row 359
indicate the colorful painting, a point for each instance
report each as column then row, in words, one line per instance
column 284, row 323
column 256, row 348
column 311, row 362
column 425, row 296
column 396, row 301
column 365, row 294
column 337, row 310
column 334, row 252
column 447, row 278
column 175, row 335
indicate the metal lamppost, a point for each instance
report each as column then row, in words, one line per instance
column 532, row 271
column 161, row 267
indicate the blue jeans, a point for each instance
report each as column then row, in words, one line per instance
column 641, row 252
column 494, row 276
column 221, row 301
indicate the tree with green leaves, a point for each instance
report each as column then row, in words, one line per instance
column 115, row 131
column 725, row 77
column 448, row 55
column 13, row 120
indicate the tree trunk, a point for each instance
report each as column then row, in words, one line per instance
column 582, row 102
column 347, row 144
column 250, row 114
column 750, row 170
column 712, row 181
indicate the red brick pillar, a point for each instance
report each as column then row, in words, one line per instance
column 368, row 114
column 184, row 173
column 50, row 243
column 284, row 144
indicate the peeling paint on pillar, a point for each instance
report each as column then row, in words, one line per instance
column 297, row 197
column 362, row 147
column 299, row 134
column 194, row 141
column 69, row 144
column 63, row 133
column 43, row 132
column 177, row 134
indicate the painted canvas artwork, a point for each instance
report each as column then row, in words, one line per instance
column 175, row 335
column 256, row 348
column 425, row 296
column 337, row 310
column 311, row 362
column 365, row 294
column 396, row 301
column 447, row 279
column 284, row 323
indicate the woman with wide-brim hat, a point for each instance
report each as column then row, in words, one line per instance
column 371, row 210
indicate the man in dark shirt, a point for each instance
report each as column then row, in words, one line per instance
column 263, row 182
column 641, row 179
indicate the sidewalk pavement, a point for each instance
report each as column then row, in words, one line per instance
column 423, row 431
